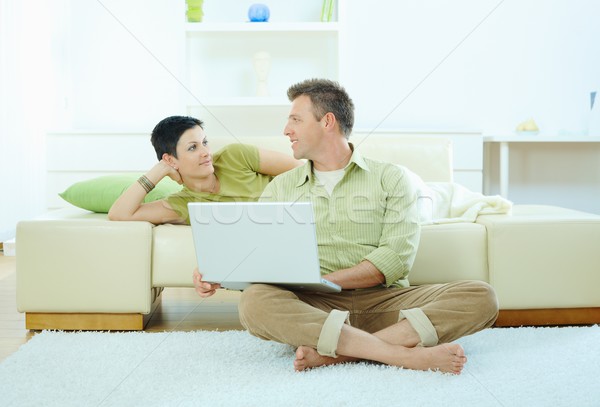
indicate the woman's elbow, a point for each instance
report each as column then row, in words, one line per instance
column 113, row 215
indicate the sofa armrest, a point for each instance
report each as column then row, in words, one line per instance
column 544, row 257
column 84, row 265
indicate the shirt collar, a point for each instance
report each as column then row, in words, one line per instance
column 356, row 159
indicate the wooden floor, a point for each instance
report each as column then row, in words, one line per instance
column 180, row 309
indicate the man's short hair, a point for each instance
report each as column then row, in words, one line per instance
column 327, row 96
column 167, row 132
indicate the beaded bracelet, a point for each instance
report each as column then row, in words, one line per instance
column 146, row 183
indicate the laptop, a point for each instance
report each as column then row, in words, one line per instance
column 240, row 243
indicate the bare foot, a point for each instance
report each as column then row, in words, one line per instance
column 447, row 357
column 307, row 357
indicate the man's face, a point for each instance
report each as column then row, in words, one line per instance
column 303, row 129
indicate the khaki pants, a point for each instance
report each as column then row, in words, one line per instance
column 439, row 313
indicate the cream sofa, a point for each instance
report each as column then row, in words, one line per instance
column 78, row 270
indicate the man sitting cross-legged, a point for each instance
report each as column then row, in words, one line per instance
column 368, row 234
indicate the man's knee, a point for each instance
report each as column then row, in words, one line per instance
column 487, row 301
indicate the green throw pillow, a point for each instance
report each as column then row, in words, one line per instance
column 98, row 194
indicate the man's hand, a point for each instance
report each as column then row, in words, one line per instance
column 203, row 288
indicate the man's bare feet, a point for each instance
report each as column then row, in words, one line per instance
column 447, row 358
column 307, row 357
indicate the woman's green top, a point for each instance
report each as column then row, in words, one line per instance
column 237, row 168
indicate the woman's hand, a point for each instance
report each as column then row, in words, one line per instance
column 172, row 173
column 203, row 288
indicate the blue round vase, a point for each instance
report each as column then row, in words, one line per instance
column 258, row 13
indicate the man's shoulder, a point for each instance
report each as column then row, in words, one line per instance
column 285, row 186
column 391, row 176
column 384, row 167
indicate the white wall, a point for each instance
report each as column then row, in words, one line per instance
column 25, row 88
column 477, row 64
column 82, row 64
column 125, row 61
column 483, row 66
column 434, row 64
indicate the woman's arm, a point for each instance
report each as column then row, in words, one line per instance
column 275, row 163
column 130, row 206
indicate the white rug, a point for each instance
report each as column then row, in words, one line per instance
column 506, row 367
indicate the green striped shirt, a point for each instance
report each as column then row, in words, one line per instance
column 370, row 215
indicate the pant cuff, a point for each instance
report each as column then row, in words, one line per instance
column 422, row 325
column 330, row 333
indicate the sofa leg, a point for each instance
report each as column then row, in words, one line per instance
column 548, row 317
column 90, row 321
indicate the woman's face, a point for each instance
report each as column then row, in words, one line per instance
column 194, row 159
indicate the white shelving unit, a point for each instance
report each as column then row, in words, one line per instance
column 220, row 78
column 300, row 27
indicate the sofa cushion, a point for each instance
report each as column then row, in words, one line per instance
column 430, row 158
column 450, row 252
column 98, row 194
column 544, row 257
column 446, row 253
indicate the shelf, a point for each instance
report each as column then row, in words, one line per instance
column 197, row 28
column 219, row 60
column 540, row 139
column 420, row 131
column 220, row 64
column 241, row 102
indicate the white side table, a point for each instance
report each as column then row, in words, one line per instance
column 504, row 153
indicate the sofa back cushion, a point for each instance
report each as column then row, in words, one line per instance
column 446, row 253
column 430, row 158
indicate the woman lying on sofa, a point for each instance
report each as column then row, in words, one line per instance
column 237, row 172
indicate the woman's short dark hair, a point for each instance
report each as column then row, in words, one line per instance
column 327, row 96
column 167, row 132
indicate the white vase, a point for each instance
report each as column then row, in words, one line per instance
column 262, row 66
column 594, row 125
